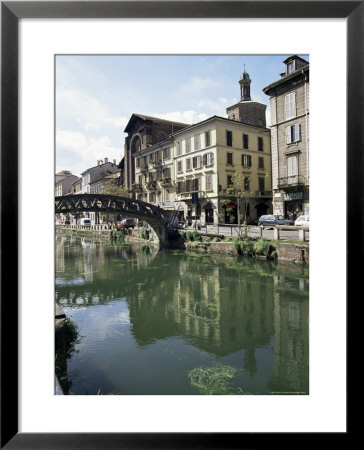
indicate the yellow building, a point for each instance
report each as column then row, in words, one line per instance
column 192, row 170
column 207, row 155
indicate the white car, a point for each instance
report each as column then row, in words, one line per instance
column 303, row 221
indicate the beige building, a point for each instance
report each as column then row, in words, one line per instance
column 207, row 155
column 289, row 105
column 154, row 175
column 191, row 172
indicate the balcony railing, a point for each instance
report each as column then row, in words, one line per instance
column 292, row 181
column 263, row 194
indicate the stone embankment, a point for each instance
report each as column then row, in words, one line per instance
column 296, row 252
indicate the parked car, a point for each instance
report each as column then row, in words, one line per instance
column 272, row 220
column 126, row 223
column 86, row 222
column 303, row 221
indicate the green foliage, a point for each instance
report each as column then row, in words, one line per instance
column 215, row 380
column 119, row 234
column 262, row 246
column 72, row 337
column 113, row 187
column 243, row 247
column 144, row 233
column 273, row 255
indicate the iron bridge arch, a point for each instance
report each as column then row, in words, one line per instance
column 109, row 204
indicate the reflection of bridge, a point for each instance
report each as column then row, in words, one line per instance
column 111, row 204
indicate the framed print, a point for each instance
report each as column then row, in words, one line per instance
column 37, row 38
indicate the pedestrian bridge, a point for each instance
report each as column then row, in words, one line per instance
column 155, row 216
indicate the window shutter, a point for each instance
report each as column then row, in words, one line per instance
column 288, row 135
column 205, row 159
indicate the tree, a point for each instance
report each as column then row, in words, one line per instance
column 113, row 187
column 240, row 189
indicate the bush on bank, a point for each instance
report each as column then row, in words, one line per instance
column 242, row 246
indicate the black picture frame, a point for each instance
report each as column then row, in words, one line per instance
column 11, row 12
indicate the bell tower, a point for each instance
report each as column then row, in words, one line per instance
column 247, row 111
column 245, row 87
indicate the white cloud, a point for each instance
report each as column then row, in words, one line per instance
column 85, row 110
column 188, row 117
column 77, row 152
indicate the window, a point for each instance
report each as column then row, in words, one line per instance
column 292, row 166
column 290, row 105
column 188, row 164
column 245, row 141
column 260, row 162
column 166, row 153
column 179, row 148
column 167, row 172
column 229, row 180
column 260, row 144
column 229, row 158
column 229, row 138
column 261, row 181
column 188, row 185
column 179, row 166
column 180, row 187
column 207, row 139
column 208, row 159
column 293, row 133
column 195, row 185
column 290, row 67
column 196, row 160
column 197, row 141
column 246, row 184
column 138, row 163
column 208, row 181
column 151, row 157
column 246, row 160
column 188, row 145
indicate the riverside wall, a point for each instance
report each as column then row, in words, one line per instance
column 286, row 251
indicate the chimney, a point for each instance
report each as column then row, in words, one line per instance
column 115, row 162
column 105, row 160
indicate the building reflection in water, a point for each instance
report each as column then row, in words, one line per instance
column 221, row 305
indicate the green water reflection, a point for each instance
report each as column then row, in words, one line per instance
column 151, row 318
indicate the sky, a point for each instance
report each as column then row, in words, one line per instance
column 97, row 94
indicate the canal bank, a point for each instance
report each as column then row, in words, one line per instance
column 295, row 252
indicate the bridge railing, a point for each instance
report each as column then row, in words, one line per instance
column 87, row 227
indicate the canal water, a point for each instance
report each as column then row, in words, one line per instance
column 178, row 323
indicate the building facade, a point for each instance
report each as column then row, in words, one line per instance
column 103, row 168
column 206, row 156
column 154, row 175
column 289, row 104
column 144, row 132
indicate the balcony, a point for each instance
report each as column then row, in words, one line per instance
column 151, row 185
column 157, row 163
column 137, row 187
column 292, row 181
column 166, row 182
column 263, row 194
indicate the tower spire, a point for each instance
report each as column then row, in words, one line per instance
column 244, row 86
